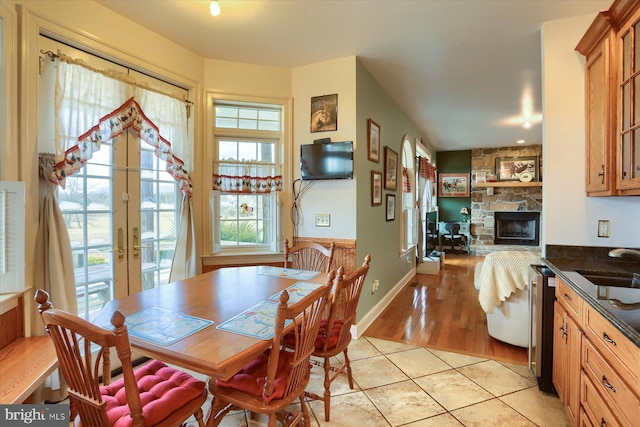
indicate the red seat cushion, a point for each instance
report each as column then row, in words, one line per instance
column 252, row 378
column 331, row 337
column 163, row 390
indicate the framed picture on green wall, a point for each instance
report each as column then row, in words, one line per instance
column 390, row 169
column 454, row 185
column 391, row 207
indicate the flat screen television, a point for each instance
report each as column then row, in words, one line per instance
column 332, row 160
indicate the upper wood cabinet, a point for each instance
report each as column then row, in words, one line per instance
column 612, row 105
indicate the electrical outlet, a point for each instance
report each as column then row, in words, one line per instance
column 323, row 220
column 603, row 228
column 374, row 286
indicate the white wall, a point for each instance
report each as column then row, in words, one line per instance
column 335, row 197
column 569, row 217
column 238, row 78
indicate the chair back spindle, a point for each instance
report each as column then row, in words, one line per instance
column 309, row 256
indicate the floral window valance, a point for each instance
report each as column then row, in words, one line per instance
column 426, row 170
column 406, row 185
column 128, row 115
column 246, row 177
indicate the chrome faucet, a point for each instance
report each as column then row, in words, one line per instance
column 618, row 253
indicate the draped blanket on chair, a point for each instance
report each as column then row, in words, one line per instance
column 501, row 274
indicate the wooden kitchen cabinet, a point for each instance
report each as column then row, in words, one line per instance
column 600, row 119
column 566, row 361
column 596, row 368
column 628, row 155
column 612, row 363
column 612, row 74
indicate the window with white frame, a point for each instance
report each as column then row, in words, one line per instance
column 246, row 179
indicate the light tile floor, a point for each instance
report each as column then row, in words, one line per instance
column 405, row 385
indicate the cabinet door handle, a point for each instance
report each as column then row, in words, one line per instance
column 603, row 423
column 607, row 384
column 607, row 339
column 602, row 174
column 567, row 297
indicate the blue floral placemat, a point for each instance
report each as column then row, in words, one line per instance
column 258, row 321
column 163, row 327
column 289, row 273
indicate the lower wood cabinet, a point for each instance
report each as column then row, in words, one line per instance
column 594, row 406
column 566, row 362
column 595, row 367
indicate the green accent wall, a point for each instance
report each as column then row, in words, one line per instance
column 453, row 162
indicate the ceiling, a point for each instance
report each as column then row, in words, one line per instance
column 466, row 72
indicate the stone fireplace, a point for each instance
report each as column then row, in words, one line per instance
column 489, row 203
column 517, row 228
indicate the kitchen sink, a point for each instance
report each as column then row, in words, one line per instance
column 615, row 279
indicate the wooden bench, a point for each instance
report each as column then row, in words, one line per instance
column 24, row 365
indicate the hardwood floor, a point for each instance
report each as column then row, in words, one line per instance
column 442, row 311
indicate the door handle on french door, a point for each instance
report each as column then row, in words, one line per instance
column 120, row 250
column 136, row 243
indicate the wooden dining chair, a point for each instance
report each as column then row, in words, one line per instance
column 308, row 256
column 335, row 331
column 279, row 376
column 152, row 395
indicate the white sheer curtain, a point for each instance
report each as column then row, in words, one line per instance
column 83, row 97
column 422, row 184
column 75, row 103
column 80, row 99
column 93, row 106
column 170, row 115
column 426, row 178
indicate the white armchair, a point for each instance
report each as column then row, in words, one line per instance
column 502, row 280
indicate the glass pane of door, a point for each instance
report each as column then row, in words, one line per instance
column 158, row 218
column 86, row 205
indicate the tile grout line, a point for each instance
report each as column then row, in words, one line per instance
column 412, row 379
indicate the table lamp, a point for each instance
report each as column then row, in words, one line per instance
column 464, row 212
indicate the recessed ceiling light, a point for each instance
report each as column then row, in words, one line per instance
column 214, row 8
column 521, row 141
column 527, row 124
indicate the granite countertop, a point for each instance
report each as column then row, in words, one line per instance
column 565, row 264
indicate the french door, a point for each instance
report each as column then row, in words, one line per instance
column 120, row 210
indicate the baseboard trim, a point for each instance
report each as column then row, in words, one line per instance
column 358, row 329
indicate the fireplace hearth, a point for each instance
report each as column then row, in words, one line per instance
column 517, row 228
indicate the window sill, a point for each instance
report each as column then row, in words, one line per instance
column 249, row 257
column 9, row 301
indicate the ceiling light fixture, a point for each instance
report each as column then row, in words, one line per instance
column 520, row 141
column 527, row 124
column 214, row 8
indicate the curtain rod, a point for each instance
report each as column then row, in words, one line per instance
column 113, row 74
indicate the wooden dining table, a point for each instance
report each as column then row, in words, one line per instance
column 216, row 296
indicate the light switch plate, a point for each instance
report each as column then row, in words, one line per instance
column 323, row 220
column 603, row 228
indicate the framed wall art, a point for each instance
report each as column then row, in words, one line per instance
column 391, row 207
column 373, row 141
column 376, row 188
column 390, row 169
column 454, row 185
column 324, row 113
column 523, row 169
